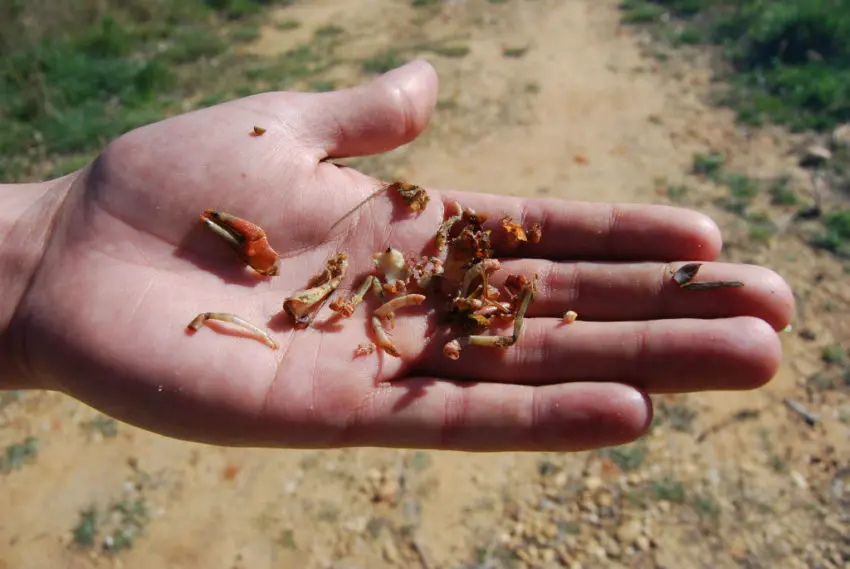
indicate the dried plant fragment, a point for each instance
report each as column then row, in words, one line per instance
column 686, row 273
column 386, row 310
column 525, row 292
column 346, row 307
column 364, row 349
column 414, row 196
column 452, row 349
column 442, row 237
column 684, row 277
column 711, row 285
column 569, row 317
column 203, row 317
column 425, row 269
column 383, row 339
column 397, row 272
column 303, row 305
column 516, row 234
column 258, row 131
column 247, row 239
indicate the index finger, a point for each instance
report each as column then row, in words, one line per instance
column 599, row 231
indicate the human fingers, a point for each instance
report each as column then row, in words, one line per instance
column 371, row 118
column 426, row 412
column 646, row 291
column 598, row 231
column 661, row 356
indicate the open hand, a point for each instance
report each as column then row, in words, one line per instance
column 129, row 264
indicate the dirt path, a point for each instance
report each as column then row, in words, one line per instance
column 575, row 111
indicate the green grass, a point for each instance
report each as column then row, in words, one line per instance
column 514, row 52
column 836, row 234
column 86, row 529
column 626, row 457
column 781, row 192
column 120, row 524
column 669, row 490
column 788, row 61
column 708, row 165
column 677, row 192
column 761, row 227
column 833, row 355
column 383, row 62
column 641, row 12
column 453, row 51
column 706, row 506
column 18, row 454
column 87, row 73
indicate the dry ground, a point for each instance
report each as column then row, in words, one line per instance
column 552, row 98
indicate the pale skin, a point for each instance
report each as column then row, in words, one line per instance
column 103, row 269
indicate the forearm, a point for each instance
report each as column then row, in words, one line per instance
column 27, row 212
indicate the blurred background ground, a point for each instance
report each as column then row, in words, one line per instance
column 736, row 109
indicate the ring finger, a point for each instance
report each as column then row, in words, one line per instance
column 681, row 355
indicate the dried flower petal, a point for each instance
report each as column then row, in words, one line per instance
column 516, row 234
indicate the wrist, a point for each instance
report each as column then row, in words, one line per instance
column 27, row 212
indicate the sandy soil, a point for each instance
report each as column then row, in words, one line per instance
column 725, row 480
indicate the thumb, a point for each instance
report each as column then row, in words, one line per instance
column 375, row 117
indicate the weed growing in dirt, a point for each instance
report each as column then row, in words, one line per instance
column 679, row 416
column 514, row 52
column 677, row 192
column 284, row 25
column 781, row 192
column 668, row 489
column 836, row 235
column 18, row 454
column 383, row 62
column 787, row 61
column 9, row 397
column 761, row 227
column 833, row 355
column 86, row 529
column 639, row 12
column 627, row 457
column 709, row 165
column 122, row 522
column 106, row 426
column 454, row 51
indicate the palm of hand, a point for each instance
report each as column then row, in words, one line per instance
column 129, row 265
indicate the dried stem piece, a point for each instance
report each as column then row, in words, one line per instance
column 203, row 317
column 383, row 339
column 345, row 308
column 386, row 310
column 303, row 305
